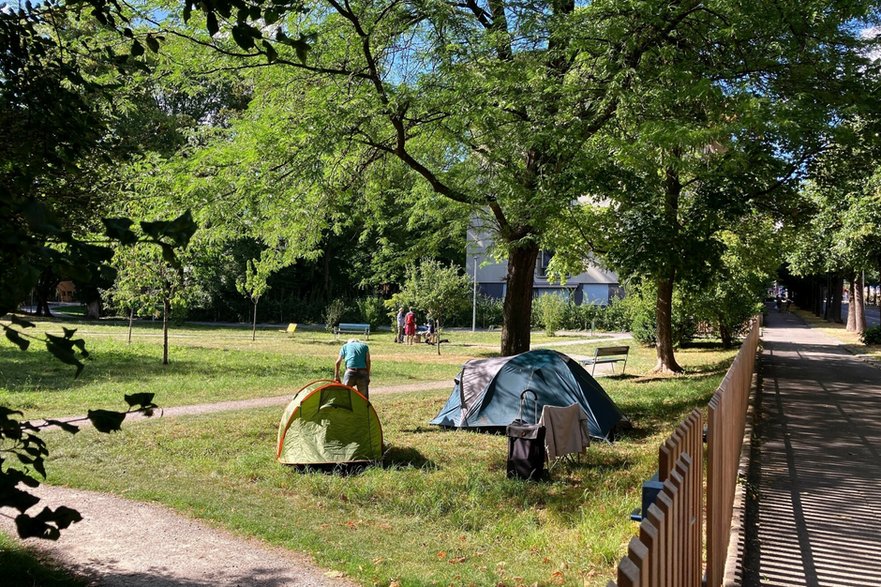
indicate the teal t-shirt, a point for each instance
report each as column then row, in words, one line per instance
column 354, row 354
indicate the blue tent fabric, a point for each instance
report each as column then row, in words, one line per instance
column 487, row 392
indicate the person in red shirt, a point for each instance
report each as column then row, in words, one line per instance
column 410, row 326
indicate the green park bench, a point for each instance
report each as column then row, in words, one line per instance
column 352, row 328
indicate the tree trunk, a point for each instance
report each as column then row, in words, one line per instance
column 325, row 268
column 93, row 309
column 46, row 286
column 835, row 298
column 725, row 335
column 166, row 309
column 858, row 301
column 131, row 319
column 518, row 299
column 851, row 309
column 817, row 293
column 664, row 318
column 254, row 323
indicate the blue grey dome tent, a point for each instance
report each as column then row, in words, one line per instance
column 487, row 392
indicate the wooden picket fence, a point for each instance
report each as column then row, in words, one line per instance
column 668, row 550
column 726, row 422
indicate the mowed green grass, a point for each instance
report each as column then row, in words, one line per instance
column 438, row 511
column 208, row 364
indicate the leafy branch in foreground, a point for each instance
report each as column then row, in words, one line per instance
column 23, row 453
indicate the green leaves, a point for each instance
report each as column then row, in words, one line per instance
column 178, row 231
column 48, row 524
column 120, row 229
column 62, row 348
column 105, row 420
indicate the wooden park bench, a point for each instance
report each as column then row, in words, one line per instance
column 608, row 354
column 352, row 328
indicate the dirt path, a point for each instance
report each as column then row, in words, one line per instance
column 125, row 543
column 122, row 543
column 260, row 402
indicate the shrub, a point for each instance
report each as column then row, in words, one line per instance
column 548, row 312
column 372, row 311
column 614, row 317
column 489, row 311
column 872, row 335
column 333, row 312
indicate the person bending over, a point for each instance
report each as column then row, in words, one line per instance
column 356, row 356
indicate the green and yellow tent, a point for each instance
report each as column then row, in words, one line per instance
column 328, row 423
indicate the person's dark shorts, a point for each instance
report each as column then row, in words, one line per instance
column 357, row 378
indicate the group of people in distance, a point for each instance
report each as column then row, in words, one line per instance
column 355, row 354
column 406, row 329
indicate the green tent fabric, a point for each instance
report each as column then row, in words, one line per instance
column 487, row 393
column 329, row 423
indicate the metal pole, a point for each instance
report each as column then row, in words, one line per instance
column 474, row 298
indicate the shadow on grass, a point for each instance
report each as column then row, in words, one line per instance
column 341, row 469
column 26, row 567
column 713, row 345
column 691, row 373
column 31, row 370
column 397, row 457
column 655, row 417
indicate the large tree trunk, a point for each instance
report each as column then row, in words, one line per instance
column 664, row 300
column 518, row 299
column 858, row 303
column 664, row 318
column 817, row 293
column 851, row 315
column 93, row 309
column 725, row 334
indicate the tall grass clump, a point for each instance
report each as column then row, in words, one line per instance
column 549, row 312
column 372, row 311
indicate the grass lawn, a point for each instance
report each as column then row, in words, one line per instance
column 208, row 364
column 439, row 511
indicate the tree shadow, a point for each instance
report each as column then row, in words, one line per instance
column 339, row 469
column 400, row 457
column 23, row 372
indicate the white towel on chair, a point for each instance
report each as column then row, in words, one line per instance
column 567, row 430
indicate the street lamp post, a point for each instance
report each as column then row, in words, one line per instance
column 474, row 297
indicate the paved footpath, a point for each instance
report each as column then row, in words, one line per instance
column 816, row 472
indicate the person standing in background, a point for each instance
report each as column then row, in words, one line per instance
column 410, row 326
column 399, row 321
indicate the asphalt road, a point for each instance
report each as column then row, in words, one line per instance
column 872, row 315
